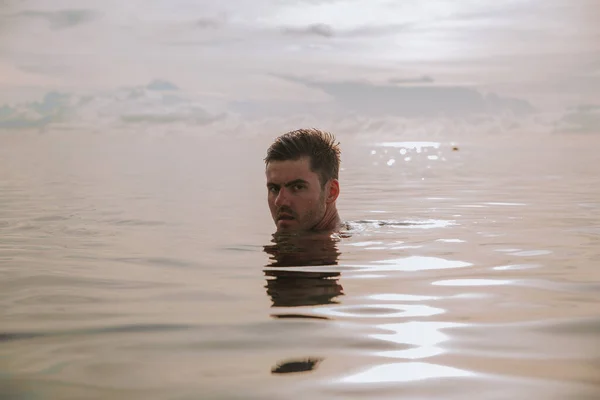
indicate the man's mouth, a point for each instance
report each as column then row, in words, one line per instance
column 285, row 217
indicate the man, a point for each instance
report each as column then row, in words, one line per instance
column 302, row 169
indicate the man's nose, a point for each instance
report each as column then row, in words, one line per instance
column 282, row 198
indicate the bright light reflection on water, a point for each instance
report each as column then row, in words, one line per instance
column 450, row 240
column 516, row 267
column 426, row 335
column 364, row 244
column 418, row 333
column 405, row 372
column 409, row 145
column 416, row 263
column 381, row 311
column 532, row 253
column 401, row 297
column 428, row 224
column 472, row 282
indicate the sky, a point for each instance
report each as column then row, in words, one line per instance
column 261, row 64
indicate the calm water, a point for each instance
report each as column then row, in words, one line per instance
column 135, row 267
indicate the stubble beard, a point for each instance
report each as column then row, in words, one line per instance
column 312, row 218
column 317, row 215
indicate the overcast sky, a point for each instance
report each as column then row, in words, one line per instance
column 273, row 56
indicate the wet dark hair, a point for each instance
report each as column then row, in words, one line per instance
column 319, row 146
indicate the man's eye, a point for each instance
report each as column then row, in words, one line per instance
column 298, row 187
column 273, row 189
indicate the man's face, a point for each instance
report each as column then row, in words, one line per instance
column 296, row 199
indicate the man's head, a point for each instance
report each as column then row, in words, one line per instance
column 302, row 170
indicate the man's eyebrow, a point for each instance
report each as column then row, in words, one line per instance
column 295, row 182
column 288, row 184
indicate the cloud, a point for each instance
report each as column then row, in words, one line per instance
column 163, row 110
column 386, row 127
column 327, row 31
column 54, row 107
column 266, row 108
column 211, row 22
column 42, row 69
column 377, row 30
column 160, row 85
column 159, row 102
column 177, row 112
column 322, row 30
column 208, row 23
column 61, row 19
column 414, row 101
column 421, row 79
column 580, row 119
column 351, row 108
column 196, row 116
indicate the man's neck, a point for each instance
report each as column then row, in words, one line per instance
column 331, row 220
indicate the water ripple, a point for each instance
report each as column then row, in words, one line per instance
column 472, row 282
column 139, row 328
column 405, row 372
column 414, row 263
column 381, row 311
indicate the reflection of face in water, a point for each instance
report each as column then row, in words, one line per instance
column 288, row 288
column 295, row 289
column 302, row 249
column 302, row 288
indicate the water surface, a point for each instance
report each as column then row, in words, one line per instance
column 138, row 267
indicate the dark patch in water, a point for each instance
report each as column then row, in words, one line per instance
column 242, row 248
column 298, row 316
column 50, row 218
column 136, row 222
column 160, row 261
column 299, row 289
column 294, row 366
column 12, row 336
column 589, row 327
column 388, row 223
column 373, row 310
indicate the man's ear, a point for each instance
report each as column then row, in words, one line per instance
column 333, row 190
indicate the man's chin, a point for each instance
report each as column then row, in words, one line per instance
column 287, row 225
